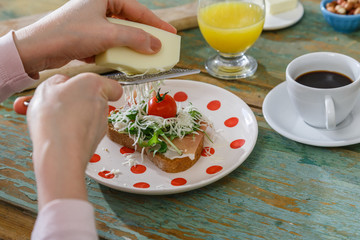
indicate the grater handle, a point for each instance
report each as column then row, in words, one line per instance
column 124, row 79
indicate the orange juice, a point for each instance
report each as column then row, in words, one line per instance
column 231, row 27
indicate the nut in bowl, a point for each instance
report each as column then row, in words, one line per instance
column 342, row 15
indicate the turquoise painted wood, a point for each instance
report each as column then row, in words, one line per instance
column 284, row 190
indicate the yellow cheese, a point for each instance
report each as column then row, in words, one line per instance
column 278, row 6
column 131, row 62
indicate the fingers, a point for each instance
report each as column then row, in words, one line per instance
column 107, row 88
column 57, row 79
column 88, row 59
column 46, row 92
column 49, row 83
column 134, row 38
column 112, row 89
column 134, row 11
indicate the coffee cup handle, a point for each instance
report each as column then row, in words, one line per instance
column 329, row 113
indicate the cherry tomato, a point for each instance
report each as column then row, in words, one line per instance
column 162, row 105
column 21, row 103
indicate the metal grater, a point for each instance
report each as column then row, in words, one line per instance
column 124, row 79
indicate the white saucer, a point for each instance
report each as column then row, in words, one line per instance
column 285, row 19
column 283, row 118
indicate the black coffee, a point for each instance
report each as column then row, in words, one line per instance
column 323, row 79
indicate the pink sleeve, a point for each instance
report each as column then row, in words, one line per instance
column 64, row 219
column 13, row 77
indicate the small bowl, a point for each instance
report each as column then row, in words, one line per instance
column 341, row 23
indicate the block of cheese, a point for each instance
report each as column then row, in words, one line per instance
column 274, row 7
column 131, row 62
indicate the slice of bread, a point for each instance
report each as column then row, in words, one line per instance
column 190, row 145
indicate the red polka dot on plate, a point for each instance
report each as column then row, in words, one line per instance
column 207, row 151
column 214, row 169
column 180, row 97
column 105, row 174
column 141, row 185
column 95, row 158
column 111, row 108
column 126, row 150
column 138, row 169
column 214, row 105
column 231, row 122
column 178, row 181
column 237, row 143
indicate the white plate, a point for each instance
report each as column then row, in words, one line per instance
column 283, row 118
column 285, row 19
column 224, row 160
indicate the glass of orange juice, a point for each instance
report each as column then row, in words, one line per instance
column 231, row 27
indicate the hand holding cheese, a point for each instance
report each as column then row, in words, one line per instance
column 80, row 30
column 67, row 117
column 131, row 62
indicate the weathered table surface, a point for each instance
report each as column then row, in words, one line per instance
column 284, row 190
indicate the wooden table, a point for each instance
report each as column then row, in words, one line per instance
column 284, row 190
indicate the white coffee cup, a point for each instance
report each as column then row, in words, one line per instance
column 323, row 107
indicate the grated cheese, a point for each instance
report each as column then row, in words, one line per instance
column 178, row 126
column 116, row 172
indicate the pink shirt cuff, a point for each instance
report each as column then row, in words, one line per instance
column 13, row 77
column 65, row 219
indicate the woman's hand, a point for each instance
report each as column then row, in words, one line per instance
column 79, row 30
column 67, row 118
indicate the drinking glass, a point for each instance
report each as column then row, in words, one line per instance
column 231, row 27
